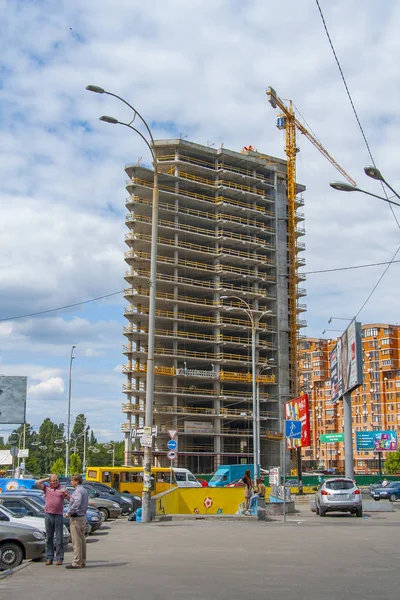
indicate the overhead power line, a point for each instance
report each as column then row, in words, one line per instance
column 50, row 310
column 369, row 152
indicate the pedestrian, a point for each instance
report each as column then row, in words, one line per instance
column 260, row 493
column 248, row 487
column 54, row 518
column 77, row 512
column 385, row 482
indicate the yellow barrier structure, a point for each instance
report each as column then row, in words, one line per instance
column 205, row 500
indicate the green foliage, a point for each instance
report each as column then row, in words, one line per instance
column 392, row 463
column 58, row 467
column 75, row 464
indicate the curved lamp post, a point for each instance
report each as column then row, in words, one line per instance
column 372, row 172
column 148, row 451
column 254, row 320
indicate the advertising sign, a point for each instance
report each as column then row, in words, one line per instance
column 12, row 399
column 298, row 410
column 331, row 438
column 346, row 361
column 376, row 441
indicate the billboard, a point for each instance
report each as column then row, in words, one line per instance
column 346, row 361
column 12, row 399
column 298, row 410
column 376, row 441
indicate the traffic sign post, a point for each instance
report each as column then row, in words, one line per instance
column 172, row 433
column 172, row 445
column 171, row 455
column 293, row 429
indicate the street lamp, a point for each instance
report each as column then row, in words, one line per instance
column 148, row 450
column 69, row 413
column 372, row 172
column 254, row 322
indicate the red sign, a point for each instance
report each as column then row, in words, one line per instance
column 298, row 410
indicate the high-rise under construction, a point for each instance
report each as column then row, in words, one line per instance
column 222, row 275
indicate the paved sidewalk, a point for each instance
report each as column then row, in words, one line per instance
column 321, row 559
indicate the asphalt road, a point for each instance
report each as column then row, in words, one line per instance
column 334, row 558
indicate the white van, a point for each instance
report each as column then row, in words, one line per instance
column 184, row 478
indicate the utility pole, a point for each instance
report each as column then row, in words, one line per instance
column 69, row 413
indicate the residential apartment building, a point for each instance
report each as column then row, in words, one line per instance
column 375, row 404
column 222, row 243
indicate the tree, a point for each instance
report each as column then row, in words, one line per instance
column 75, row 464
column 392, row 463
column 58, row 467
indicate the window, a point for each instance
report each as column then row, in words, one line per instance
column 16, row 507
column 388, row 331
column 131, row 477
column 344, row 484
column 385, row 342
column 92, row 474
column 180, row 476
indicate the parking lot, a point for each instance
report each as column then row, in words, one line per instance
column 320, row 558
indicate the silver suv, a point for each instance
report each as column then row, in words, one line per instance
column 340, row 495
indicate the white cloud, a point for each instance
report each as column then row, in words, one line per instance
column 198, row 68
column 54, row 385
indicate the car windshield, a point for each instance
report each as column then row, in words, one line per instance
column 339, row 484
column 220, row 476
column 394, row 484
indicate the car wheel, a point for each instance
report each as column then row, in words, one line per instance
column 359, row 512
column 11, row 556
column 322, row 513
column 392, row 497
column 376, row 499
column 104, row 514
column 316, row 509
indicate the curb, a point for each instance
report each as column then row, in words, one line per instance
column 8, row 572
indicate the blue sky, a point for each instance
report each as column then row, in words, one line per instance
column 196, row 67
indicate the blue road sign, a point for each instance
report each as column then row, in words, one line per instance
column 293, row 429
column 172, row 445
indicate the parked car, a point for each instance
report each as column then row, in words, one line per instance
column 19, row 542
column 338, row 494
column 108, row 509
column 235, row 483
column 9, row 499
column 185, row 478
column 102, row 487
column 36, row 522
column 374, row 486
column 204, row 482
column 124, row 501
column 390, row 492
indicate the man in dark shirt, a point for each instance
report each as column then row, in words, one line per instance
column 77, row 511
column 54, row 521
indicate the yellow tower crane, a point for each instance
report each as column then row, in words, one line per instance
column 288, row 121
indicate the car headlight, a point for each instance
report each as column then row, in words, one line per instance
column 115, row 505
column 39, row 535
column 94, row 519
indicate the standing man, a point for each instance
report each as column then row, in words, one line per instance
column 54, row 521
column 77, row 511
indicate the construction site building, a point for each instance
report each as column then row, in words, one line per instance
column 222, row 239
column 375, row 404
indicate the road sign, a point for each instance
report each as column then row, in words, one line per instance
column 172, row 433
column 22, row 466
column 146, row 441
column 293, row 429
column 171, row 455
column 331, row 438
column 14, row 450
column 172, row 445
column 23, row 453
column 140, row 431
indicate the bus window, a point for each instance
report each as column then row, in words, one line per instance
column 131, row 477
column 106, row 477
column 92, row 474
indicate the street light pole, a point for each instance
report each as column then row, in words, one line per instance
column 148, row 450
column 256, row 410
column 69, row 413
